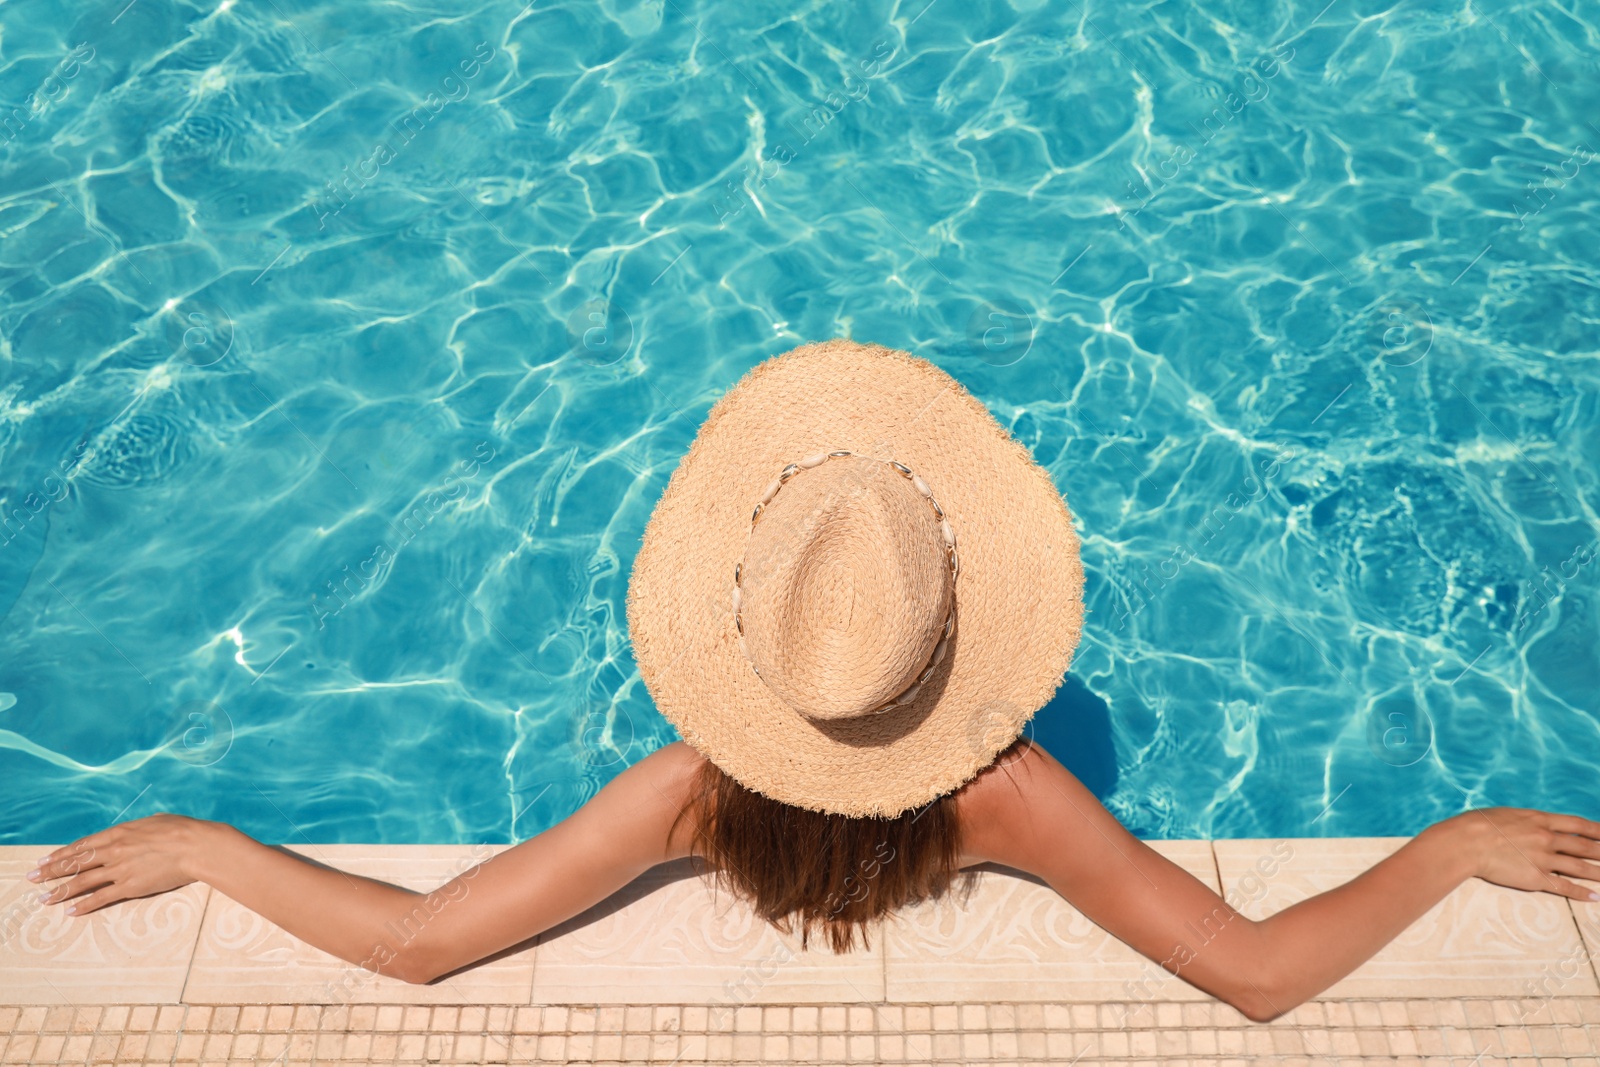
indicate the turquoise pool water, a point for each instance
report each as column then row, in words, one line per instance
column 344, row 349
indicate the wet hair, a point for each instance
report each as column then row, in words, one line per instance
column 818, row 871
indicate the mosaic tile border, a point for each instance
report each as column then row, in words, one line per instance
column 1416, row 1032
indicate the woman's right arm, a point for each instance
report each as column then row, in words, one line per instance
column 619, row 834
column 1042, row 820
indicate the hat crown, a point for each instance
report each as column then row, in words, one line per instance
column 846, row 588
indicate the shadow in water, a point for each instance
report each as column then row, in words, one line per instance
column 1075, row 728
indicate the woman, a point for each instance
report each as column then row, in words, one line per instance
column 853, row 594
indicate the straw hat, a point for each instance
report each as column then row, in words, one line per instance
column 857, row 587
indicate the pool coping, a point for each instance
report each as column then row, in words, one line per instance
column 670, row 937
column 668, row 959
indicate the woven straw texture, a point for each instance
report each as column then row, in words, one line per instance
column 1018, row 594
column 845, row 589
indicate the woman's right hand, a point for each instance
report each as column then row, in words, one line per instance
column 1539, row 851
column 132, row 859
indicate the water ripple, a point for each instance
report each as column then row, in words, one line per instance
column 378, row 332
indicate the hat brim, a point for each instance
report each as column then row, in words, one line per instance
column 1019, row 592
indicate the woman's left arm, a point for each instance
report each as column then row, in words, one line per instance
column 1041, row 819
column 416, row 937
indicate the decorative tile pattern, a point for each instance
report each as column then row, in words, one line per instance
column 137, row 950
column 1015, row 938
column 243, row 958
column 1482, row 940
column 671, row 936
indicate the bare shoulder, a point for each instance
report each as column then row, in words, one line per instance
column 672, row 767
column 664, row 769
column 1006, row 782
column 652, row 792
column 1000, row 807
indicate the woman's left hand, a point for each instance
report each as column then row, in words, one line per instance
column 131, row 859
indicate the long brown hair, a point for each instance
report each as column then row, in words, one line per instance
column 814, row 869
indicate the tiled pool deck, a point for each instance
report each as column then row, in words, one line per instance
column 664, row 972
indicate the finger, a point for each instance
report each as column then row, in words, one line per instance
column 82, row 846
column 1576, row 868
column 76, row 886
column 1574, row 824
column 98, row 899
column 55, row 855
column 1565, row 887
column 69, row 862
column 1577, row 845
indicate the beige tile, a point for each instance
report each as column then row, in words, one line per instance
column 1482, row 940
column 133, row 952
column 669, row 939
column 1015, row 939
column 1567, row 975
column 24, row 854
column 242, row 958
